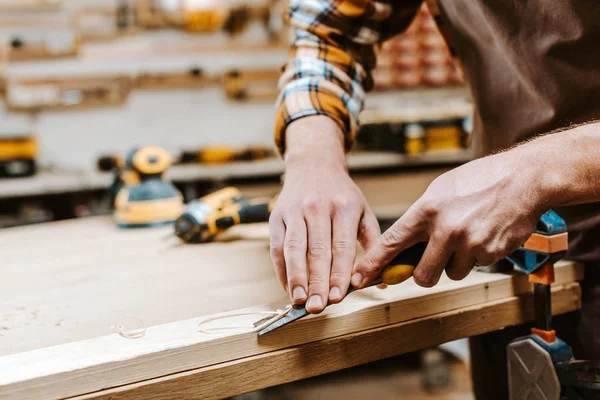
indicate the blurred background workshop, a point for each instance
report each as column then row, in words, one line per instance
column 144, row 113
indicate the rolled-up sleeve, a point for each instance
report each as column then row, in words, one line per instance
column 331, row 59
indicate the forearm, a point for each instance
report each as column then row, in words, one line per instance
column 566, row 165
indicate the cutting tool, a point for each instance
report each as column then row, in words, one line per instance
column 400, row 269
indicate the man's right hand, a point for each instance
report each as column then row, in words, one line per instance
column 318, row 216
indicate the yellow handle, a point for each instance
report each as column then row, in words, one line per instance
column 395, row 274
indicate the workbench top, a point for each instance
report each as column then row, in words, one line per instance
column 66, row 286
column 73, row 280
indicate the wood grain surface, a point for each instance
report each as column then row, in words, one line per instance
column 109, row 361
column 74, row 280
column 65, row 287
column 317, row 358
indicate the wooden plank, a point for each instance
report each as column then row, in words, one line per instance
column 86, row 275
column 110, row 361
column 317, row 358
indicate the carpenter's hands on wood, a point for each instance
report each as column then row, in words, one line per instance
column 475, row 214
column 318, row 216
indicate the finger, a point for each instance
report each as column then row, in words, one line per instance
column 460, row 265
column 398, row 237
column 436, row 257
column 318, row 224
column 294, row 251
column 368, row 230
column 343, row 250
column 277, row 238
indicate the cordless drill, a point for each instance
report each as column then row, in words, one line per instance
column 200, row 224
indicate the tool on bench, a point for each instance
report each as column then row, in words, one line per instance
column 187, row 226
column 224, row 154
column 144, row 198
column 200, row 223
column 540, row 365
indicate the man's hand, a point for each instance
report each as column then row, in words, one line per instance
column 475, row 214
column 318, row 216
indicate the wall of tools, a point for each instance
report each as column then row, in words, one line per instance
column 80, row 79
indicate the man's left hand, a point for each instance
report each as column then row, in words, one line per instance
column 476, row 214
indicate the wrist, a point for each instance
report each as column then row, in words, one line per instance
column 545, row 176
column 314, row 142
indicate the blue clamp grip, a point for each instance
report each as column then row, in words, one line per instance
column 528, row 260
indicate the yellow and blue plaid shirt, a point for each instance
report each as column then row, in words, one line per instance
column 332, row 56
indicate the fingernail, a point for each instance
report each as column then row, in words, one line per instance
column 315, row 302
column 298, row 293
column 334, row 293
column 356, row 279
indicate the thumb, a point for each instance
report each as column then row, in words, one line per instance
column 397, row 238
column 368, row 230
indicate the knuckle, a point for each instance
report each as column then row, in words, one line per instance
column 475, row 244
column 368, row 266
column 342, row 247
column 293, row 243
column 390, row 238
column 276, row 252
column 459, row 232
column 339, row 203
column 318, row 249
column 344, row 203
column 317, row 282
column 429, row 207
column 312, row 204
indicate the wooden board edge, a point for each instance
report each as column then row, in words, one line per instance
column 172, row 356
column 317, row 358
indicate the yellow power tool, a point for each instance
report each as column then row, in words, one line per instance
column 145, row 197
column 199, row 224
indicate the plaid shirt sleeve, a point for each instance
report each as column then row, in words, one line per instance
column 333, row 54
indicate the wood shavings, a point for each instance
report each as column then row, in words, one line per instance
column 222, row 326
column 132, row 328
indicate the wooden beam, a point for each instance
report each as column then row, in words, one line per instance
column 317, row 358
column 111, row 361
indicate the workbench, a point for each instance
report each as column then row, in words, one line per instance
column 66, row 286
